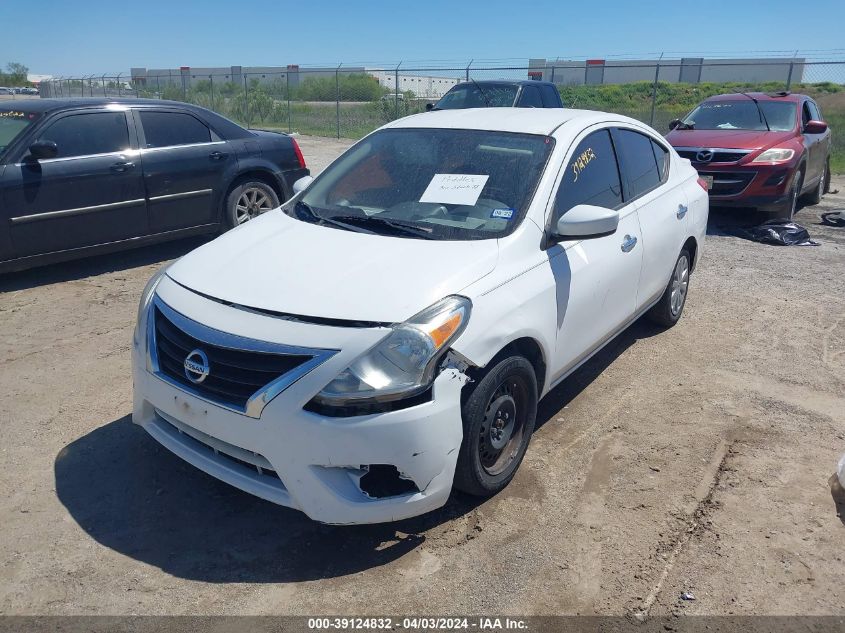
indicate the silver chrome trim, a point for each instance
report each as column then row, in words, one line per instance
column 184, row 194
column 145, row 150
column 261, row 398
column 716, row 149
column 124, row 153
column 49, row 215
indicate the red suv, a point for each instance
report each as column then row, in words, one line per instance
column 757, row 150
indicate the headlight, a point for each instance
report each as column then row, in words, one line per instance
column 775, row 155
column 403, row 364
column 144, row 304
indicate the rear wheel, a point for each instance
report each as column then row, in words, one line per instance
column 249, row 200
column 668, row 310
column 498, row 419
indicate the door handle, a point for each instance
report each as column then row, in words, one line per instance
column 217, row 155
column 629, row 243
column 682, row 210
column 122, row 166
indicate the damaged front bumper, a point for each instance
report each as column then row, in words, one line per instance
column 363, row 469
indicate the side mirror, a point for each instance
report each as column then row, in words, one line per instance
column 584, row 221
column 674, row 123
column 302, row 184
column 815, row 127
column 43, row 149
column 429, row 107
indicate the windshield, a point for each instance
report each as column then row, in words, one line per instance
column 12, row 125
column 480, row 95
column 430, row 183
column 742, row 115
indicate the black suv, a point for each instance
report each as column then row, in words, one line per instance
column 94, row 175
column 500, row 94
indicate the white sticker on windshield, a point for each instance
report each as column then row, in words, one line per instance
column 454, row 189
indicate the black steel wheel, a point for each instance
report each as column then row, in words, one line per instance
column 498, row 419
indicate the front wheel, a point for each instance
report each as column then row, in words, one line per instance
column 498, row 419
column 790, row 207
column 816, row 195
column 668, row 310
column 249, row 200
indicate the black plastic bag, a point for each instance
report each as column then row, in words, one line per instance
column 781, row 232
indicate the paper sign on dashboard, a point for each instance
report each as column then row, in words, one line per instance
column 454, row 189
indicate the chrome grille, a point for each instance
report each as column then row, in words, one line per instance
column 243, row 374
column 718, row 155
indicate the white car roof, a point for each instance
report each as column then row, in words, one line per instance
column 525, row 120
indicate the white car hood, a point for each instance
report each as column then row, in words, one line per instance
column 285, row 265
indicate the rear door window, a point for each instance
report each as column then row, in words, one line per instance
column 591, row 176
column 550, row 97
column 639, row 165
column 88, row 133
column 165, row 129
column 530, row 98
column 661, row 155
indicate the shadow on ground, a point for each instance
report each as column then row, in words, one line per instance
column 99, row 264
column 133, row 496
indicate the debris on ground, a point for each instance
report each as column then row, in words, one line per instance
column 834, row 218
column 687, row 595
column 781, row 232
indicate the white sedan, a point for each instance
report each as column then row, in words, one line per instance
column 385, row 336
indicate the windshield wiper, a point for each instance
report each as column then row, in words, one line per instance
column 332, row 221
column 483, row 94
column 759, row 110
column 401, row 227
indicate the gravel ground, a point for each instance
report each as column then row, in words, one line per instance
column 693, row 460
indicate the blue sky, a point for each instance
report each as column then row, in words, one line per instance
column 97, row 36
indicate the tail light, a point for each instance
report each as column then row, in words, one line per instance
column 298, row 153
column 702, row 183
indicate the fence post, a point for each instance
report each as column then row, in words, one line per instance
column 119, row 86
column 103, row 79
column 791, row 66
column 396, row 90
column 287, row 90
column 337, row 98
column 468, row 65
column 654, row 90
column 246, row 103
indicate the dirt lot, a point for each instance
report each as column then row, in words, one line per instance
column 695, row 460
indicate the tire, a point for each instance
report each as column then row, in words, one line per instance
column 669, row 309
column 815, row 196
column 248, row 200
column 498, row 419
column 790, row 207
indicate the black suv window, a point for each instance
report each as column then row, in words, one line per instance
column 550, row 97
column 88, row 133
column 814, row 111
column 164, row 129
column 639, row 165
column 530, row 98
column 591, row 176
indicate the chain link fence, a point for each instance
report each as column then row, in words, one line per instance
column 347, row 102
